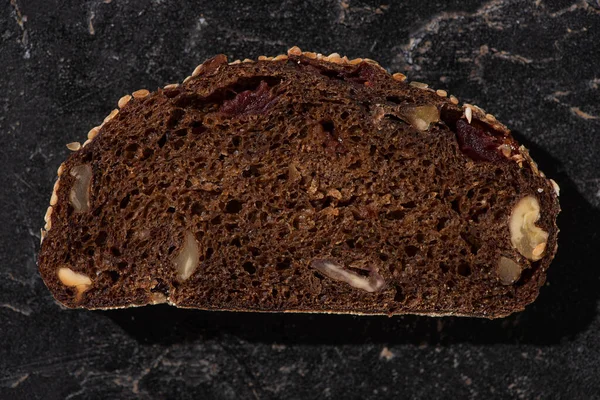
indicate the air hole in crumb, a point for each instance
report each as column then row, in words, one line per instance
column 441, row 223
column 101, row 238
column 410, row 204
column 216, row 220
column 233, row 207
column 122, row 265
column 115, row 251
column 411, row 251
column 113, row 276
column 171, row 249
column 209, row 252
column 236, row 242
column 395, row 215
column 455, row 206
column 351, row 243
column 249, row 267
column 282, row 265
column 162, row 141
column 464, row 269
column 196, row 208
column 355, row 165
column 399, row 296
column 444, row 267
column 171, row 210
column 178, row 144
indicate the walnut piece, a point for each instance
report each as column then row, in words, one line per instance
column 79, row 281
column 529, row 239
column 421, row 117
column 508, row 271
column 187, row 260
column 335, row 271
column 80, row 192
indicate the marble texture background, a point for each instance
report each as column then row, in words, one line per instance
column 533, row 64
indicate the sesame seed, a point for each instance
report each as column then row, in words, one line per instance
column 139, row 94
column 48, row 214
column 74, row 146
column 186, row 80
column 124, row 100
column 295, row 50
column 469, row 114
column 247, row 60
column 441, row 93
column 490, row 117
column 53, row 199
column 61, row 169
column 453, row 99
column 419, row 85
column 110, row 116
column 280, row 57
column 335, row 58
column 399, row 77
column 235, row 62
column 197, row 70
column 262, row 58
column 86, row 143
column 172, row 86
column 309, row 54
column 356, row 61
column 92, row 133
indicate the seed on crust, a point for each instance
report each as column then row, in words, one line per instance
column 419, row 85
column 48, row 214
column 247, row 60
column 281, row 57
column 453, row 99
column 54, row 197
column 93, row 133
column 140, row 94
column 294, row 51
column 186, row 80
column 469, row 114
column 198, row 70
column 235, row 62
column 61, row 169
column 335, row 58
column 356, row 61
column 555, row 187
column 310, row 54
column 171, row 86
column 441, row 93
column 124, row 100
column 490, row 117
column 74, row 146
column 110, row 116
column 399, row 77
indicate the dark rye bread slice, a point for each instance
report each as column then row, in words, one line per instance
column 300, row 183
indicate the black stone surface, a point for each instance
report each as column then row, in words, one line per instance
column 533, row 64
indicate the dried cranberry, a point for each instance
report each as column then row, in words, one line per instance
column 364, row 73
column 250, row 101
column 476, row 143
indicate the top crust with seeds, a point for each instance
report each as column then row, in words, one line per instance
column 300, row 182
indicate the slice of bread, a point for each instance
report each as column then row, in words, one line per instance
column 300, row 183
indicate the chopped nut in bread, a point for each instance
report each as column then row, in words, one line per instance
column 80, row 192
column 187, row 260
column 529, row 239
